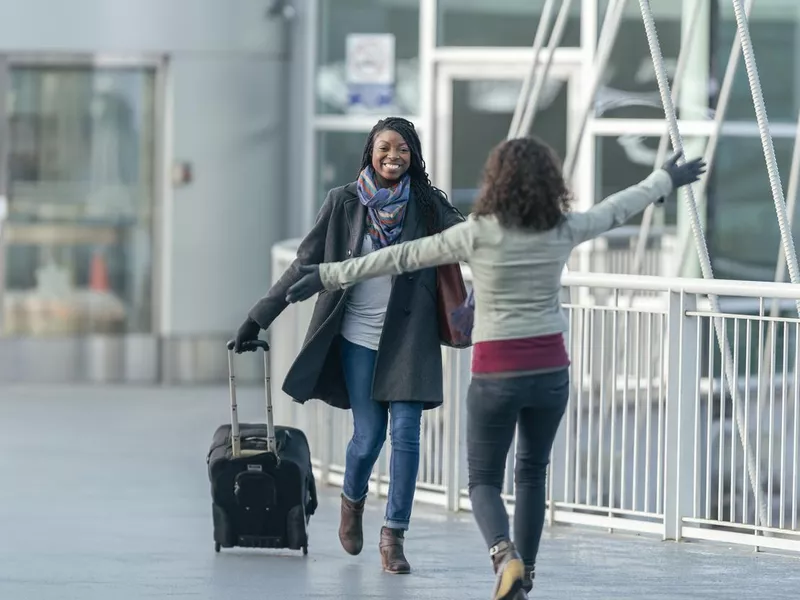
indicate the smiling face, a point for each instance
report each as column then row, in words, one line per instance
column 391, row 157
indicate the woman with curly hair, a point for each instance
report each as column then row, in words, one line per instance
column 362, row 342
column 517, row 242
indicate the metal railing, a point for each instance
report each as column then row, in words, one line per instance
column 615, row 252
column 648, row 443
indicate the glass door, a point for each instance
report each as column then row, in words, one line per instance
column 78, row 156
column 474, row 108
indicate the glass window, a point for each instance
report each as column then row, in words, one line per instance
column 743, row 228
column 500, row 23
column 625, row 160
column 629, row 89
column 340, row 156
column 338, row 19
column 775, row 31
column 481, row 115
column 81, row 185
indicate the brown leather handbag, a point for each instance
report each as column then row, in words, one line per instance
column 451, row 293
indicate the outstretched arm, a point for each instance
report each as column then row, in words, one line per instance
column 450, row 246
column 617, row 209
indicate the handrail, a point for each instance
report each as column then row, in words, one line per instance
column 718, row 287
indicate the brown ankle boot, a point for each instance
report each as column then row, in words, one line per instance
column 509, row 569
column 350, row 531
column 392, row 556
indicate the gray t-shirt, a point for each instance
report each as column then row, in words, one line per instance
column 365, row 309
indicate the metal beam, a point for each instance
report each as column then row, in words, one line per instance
column 608, row 37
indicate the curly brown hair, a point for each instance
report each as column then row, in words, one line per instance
column 523, row 186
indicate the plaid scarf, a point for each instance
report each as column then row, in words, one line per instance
column 386, row 207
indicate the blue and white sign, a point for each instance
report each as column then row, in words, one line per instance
column 370, row 71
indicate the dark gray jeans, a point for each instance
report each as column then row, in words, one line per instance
column 495, row 406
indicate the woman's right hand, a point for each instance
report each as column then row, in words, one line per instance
column 684, row 174
column 248, row 332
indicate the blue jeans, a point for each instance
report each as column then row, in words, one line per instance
column 370, row 419
column 495, row 407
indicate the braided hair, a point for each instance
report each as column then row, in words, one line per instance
column 424, row 191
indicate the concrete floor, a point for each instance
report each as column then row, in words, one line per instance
column 104, row 495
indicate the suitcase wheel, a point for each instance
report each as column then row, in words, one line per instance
column 217, row 547
column 305, row 550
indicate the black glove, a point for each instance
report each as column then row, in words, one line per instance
column 309, row 284
column 684, row 174
column 248, row 332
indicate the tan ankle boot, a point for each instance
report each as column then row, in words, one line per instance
column 351, row 534
column 392, row 556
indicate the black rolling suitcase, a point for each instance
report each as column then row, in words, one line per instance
column 262, row 486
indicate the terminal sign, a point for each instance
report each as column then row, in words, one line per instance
column 370, row 71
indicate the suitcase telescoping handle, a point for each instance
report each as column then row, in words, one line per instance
column 236, row 443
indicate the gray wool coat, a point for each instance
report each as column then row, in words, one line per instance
column 409, row 362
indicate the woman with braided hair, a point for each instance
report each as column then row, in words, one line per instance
column 374, row 348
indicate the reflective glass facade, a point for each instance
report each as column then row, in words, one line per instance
column 459, row 68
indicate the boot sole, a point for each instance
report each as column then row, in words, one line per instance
column 351, row 551
column 404, row 572
column 509, row 582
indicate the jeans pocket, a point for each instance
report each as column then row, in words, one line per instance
column 556, row 387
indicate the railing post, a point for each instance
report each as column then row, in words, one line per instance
column 682, row 373
column 456, row 378
column 559, row 484
column 326, row 426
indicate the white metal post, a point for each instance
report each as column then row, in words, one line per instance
column 559, row 482
column 555, row 41
column 608, row 36
column 4, row 182
column 310, row 108
column 530, row 76
column 427, row 77
column 326, row 454
column 454, row 428
column 682, row 374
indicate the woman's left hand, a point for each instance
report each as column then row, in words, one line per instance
column 310, row 283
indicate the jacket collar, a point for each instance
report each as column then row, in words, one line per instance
column 357, row 214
